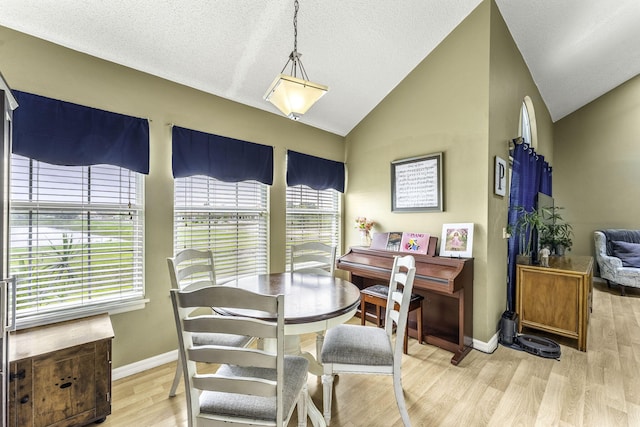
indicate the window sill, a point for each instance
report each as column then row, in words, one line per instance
column 115, row 307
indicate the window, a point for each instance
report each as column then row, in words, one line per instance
column 312, row 216
column 230, row 218
column 525, row 125
column 528, row 130
column 76, row 239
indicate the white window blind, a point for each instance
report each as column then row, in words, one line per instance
column 230, row 218
column 76, row 238
column 312, row 216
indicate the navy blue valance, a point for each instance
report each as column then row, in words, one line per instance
column 67, row 134
column 314, row 172
column 226, row 159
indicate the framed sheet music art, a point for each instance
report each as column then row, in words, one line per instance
column 416, row 184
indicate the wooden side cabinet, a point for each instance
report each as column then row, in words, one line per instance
column 60, row 374
column 557, row 298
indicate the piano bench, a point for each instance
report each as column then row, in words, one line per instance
column 377, row 295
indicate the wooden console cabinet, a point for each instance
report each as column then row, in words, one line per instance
column 557, row 298
column 60, row 374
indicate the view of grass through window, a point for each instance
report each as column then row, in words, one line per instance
column 75, row 235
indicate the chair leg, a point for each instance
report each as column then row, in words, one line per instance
column 363, row 311
column 176, row 378
column 302, row 407
column 319, row 342
column 405, row 344
column 419, row 320
column 327, row 395
column 623, row 291
column 402, row 406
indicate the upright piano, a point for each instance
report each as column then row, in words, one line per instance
column 445, row 283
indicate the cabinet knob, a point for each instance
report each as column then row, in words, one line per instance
column 24, row 399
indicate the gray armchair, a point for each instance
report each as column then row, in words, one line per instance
column 618, row 258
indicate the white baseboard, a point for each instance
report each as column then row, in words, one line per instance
column 172, row 356
column 486, row 347
column 143, row 365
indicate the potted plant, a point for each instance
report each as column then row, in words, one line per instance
column 527, row 222
column 555, row 232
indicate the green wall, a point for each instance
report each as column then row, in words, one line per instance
column 597, row 169
column 509, row 83
column 463, row 100
column 39, row 67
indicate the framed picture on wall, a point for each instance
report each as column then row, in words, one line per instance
column 416, row 184
column 457, row 240
column 500, row 179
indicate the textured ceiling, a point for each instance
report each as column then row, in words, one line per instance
column 576, row 49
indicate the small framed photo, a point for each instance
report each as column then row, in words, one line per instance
column 457, row 240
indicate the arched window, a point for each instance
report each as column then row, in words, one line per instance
column 527, row 128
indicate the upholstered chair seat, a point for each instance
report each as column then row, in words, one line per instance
column 347, row 344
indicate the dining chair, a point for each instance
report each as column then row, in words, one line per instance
column 355, row 349
column 250, row 386
column 193, row 269
column 317, row 258
column 313, row 257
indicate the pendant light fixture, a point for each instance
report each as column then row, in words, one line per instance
column 291, row 94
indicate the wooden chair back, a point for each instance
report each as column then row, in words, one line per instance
column 192, row 268
column 400, row 288
column 185, row 302
column 313, row 257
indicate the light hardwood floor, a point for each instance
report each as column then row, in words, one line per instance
column 598, row 388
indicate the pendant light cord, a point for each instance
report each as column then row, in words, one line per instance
column 296, row 6
column 294, row 57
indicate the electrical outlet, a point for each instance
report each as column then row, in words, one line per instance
column 505, row 235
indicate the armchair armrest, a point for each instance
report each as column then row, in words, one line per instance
column 611, row 261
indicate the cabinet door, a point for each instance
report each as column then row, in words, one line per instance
column 64, row 386
column 550, row 300
column 20, row 394
column 103, row 378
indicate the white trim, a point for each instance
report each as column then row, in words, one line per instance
column 143, row 365
column 486, row 347
column 111, row 307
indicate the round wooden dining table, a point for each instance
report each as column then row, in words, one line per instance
column 312, row 303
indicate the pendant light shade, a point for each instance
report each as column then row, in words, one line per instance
column 292, row 95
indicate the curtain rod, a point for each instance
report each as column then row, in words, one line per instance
column 515, row 141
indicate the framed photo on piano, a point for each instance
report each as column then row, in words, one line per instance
column 457, row 240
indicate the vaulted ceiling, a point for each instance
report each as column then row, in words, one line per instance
column 576, row 50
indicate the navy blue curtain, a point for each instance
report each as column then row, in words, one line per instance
column 314, row 172
column 219, row 157
column 67, row 134
column 530, row 174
